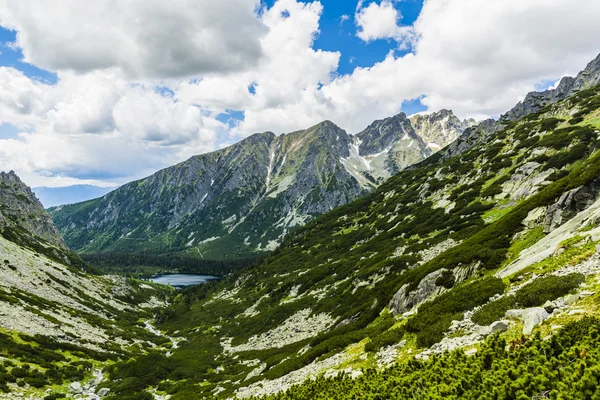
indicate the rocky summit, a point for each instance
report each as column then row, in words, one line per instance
column 244, row 199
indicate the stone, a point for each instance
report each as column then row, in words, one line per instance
column 484, row 330
column 576, row 312
column 103, row 392
column 532, row 317
column 586, row 293
column 598, row 248
column 514, row 314
column 76, row 388
column 499, row 326
column 470, row 352
column 549, row 306
column 571, row 299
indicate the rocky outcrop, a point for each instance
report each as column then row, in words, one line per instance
column 22, row 215
column 439, row 129
column 535, row 101
column 570, row 204
column 471, row 137
column 405, row 300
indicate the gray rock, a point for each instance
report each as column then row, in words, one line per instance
column 404, row 301
column 549, row 306
column 103, row 392
column 484, row 330
column 514, row 314
column 576, row 312
column 499, row 326
column 571, row 299
column 532, row 317
column 535, row 101
column 570, row 203
column 76, row 388
column 586, row 293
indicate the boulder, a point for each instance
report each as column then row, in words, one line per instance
column 499, row 326
column 484, row 330
column 532, row 317
column 571, row 299
column 549, row 306
column 75, row 388
column 103, row 392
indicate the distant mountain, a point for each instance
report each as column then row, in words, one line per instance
column 245, row 198
column 51, row 197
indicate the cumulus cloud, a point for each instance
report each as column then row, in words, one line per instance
column 107, row 119
column 381, row 21
column 97, row 126
column 143, row 38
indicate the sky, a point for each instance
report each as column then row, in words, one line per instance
column 103, row 92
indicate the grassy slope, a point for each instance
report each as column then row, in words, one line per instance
column 345, row 253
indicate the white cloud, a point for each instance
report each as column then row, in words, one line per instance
column 380, row 21
column 285, row 78
column 105, row 120
column 143, row 38
column 97, row 126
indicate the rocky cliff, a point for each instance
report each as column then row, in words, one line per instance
column 21, row 212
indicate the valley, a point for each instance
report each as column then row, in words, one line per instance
column 428, row 258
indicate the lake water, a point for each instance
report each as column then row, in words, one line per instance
column 183, row 280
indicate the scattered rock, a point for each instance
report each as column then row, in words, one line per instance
column 532, row 317
column 75, row 388
column 103, row 392
column 575, row 312
column 586, row 293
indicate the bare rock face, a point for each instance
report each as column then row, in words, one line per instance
column 22, row 215
column 405, row 300
column 570, row 204
column 439, row 129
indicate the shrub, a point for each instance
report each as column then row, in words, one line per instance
column 493, row 310
column 434, row 317
column 547, row 288
column 386, row 338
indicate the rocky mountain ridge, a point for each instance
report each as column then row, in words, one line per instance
column 246, row 198
column 20, row 210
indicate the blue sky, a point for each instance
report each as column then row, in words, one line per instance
column 124, row 100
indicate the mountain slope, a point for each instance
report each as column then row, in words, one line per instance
column 432, row 261
column 60, row 326
column 245, row 198
column 22, row 213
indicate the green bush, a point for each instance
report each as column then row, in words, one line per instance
column 493, row 310
column 434, row 317
column 386, row 338
column 547, row 288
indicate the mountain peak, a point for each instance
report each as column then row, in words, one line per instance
column 22, row 211
column 534, row 101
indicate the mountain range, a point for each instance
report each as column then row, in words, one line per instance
column 244, row 199
column 471, row 274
